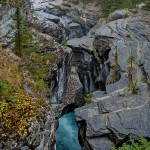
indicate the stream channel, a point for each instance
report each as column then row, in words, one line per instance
column 67, row 133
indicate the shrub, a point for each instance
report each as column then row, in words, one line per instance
column 7, row 91
column 88, row 98
column 16, row 109
column 15, row 117
column 142, row 144
column 133, row 87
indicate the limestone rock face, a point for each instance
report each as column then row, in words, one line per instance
column 91, row 65
column 117, row 116
column 5, row 21
column 58, row 20
column 129, row 36
column 53, row 18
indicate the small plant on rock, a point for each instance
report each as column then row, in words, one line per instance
column 64, row 43
column 126, row 15
column 88, row 98
column 115, row 67
column 130, row 68
column 115, row 55
column 132, row 86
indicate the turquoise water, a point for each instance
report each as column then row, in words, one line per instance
column 67, row 133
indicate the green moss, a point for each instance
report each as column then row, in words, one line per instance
column 3, row 85
column 131, row 59
column 75, row 2
column 8, row 91
column 41, row 85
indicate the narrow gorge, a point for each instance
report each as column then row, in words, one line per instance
column 96, row 70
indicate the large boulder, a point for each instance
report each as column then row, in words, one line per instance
column 113, row 119
column 73, row 93
column 118, row 14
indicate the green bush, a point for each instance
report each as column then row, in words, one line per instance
column 142, row 144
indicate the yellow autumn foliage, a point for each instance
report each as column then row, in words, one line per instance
column 17, row 108
column 15, row 117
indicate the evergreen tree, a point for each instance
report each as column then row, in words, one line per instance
column 22, row 37
column 19, row 31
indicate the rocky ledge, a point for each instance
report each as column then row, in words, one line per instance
column 112, row 120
